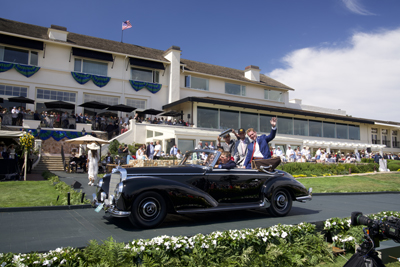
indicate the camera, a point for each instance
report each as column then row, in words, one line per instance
column 378, row 229
column 375, row 231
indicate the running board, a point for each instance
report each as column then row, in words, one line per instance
column 264, row 204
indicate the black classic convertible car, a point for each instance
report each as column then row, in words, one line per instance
column 146, row 194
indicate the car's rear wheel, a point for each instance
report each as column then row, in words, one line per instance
column 148, row 210
column 281, row 202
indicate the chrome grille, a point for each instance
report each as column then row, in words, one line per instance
column 114, row 181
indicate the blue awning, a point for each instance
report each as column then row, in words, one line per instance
column 22, row 42
column 92, row 54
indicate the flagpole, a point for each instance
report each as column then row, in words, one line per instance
column 122, row 35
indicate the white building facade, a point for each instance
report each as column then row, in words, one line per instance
column 47, row 64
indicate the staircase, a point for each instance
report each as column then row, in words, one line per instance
column 49, row 163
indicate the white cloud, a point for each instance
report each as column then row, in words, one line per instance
column 362, row 78
column 355, row 7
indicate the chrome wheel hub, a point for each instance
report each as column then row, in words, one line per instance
column 149, row 209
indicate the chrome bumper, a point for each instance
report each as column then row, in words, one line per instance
column 110, row 209
column 303, row 199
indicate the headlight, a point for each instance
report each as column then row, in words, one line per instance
column 118, row 190
column 100, row 183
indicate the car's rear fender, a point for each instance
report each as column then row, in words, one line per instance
column 284, row 181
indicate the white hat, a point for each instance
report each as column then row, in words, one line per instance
column 93, row 146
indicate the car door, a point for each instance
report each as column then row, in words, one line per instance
column 235, row 185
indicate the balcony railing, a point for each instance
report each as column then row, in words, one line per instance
column 376, row 142
column 395, row 144
column 386, row 142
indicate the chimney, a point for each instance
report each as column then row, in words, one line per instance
column 173, row 54
column 58, row 33
column 252, row 73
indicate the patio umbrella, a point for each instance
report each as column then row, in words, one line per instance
column 151, row 111
column 171, row 113
column 87, row 139
column 1, row 100
column 94, row 104
column 121, row 107
column 59, row 104
column 21, row 99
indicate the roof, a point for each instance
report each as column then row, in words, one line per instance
column 75, row 39
column 232, row 103
column 225, row 72
column 79, row 40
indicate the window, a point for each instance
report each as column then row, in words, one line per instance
column 137, row 103
column 341, row 131
column 102, row 99
column 13, row 90
column 235, row 89
column 354, row 132
column 14, row 55
column 285, row 125
column 300, row 127
column 265, row 125
column 90, row 67
column 149, row 134
column 374, row 130
column 273, row 95
column 144, row 75
column 55, row 95
column 329, row 129
column 384, row 131
column 315, row 128
column 185, row 145
column 206, row 118
column 394, row 132
column 229, row 119
column 248, row 120
column 196, row 83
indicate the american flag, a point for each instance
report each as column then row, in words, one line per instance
column 126, row 25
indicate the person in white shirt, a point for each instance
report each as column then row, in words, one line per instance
column 290, row 153
column 126, row 119
column 157, row 150
column 303, row 151
column 173, row 151
column 14, row 115
column 178, row 154
column 308, row 153
column 211, row 146
column 318, row 154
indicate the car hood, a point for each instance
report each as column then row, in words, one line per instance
column 165, row 170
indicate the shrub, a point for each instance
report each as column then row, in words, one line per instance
column 321, row 169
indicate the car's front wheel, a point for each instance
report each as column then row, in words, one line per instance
column 281, row 202
column 148, row 210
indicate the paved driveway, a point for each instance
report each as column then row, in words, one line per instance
column 47, row 230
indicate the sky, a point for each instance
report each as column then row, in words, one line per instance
column 337, row 54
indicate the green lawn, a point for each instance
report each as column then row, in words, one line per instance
column 364, row 183
column 27, row 194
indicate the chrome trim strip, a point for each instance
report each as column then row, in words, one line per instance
column 303, row 199
column 117, row 213
column 225, row 208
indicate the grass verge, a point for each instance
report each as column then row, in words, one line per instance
column 38, row 193
column 362, row 183
column 27, row 194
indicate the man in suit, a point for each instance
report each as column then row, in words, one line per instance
column 225, row 161
column 241, row 144
column 258, row 148
column 150, row 151
column 109, row 159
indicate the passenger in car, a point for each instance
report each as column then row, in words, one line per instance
column 225, row 161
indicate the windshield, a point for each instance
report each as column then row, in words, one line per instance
column 203, row 158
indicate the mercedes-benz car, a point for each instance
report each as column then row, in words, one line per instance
column 196, row 185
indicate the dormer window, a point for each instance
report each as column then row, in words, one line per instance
column 90, row 67
column 273, row 95
column 196, row 83
column 235, row 89
column 145, row 75
column 20, row 56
